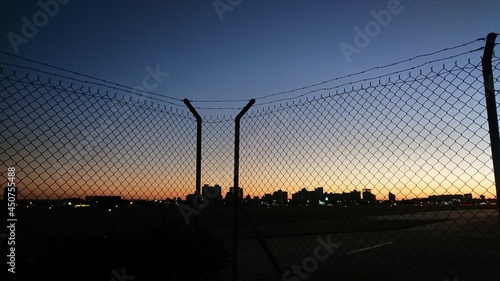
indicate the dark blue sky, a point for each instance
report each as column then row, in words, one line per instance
column 254, row 49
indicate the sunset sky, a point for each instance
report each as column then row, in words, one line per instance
column 212, row 52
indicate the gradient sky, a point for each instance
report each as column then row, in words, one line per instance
column 260, row 47
column 256, row 49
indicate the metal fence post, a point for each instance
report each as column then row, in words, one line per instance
column 236, row 198
column 491, row 107
column 198, row 153
column 198, row 177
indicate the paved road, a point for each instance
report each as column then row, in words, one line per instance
column 460, row 244
column 466, row 246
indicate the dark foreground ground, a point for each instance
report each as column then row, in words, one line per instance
column 366, row 243
column 458, row 246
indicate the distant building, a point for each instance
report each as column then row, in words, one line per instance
column 392, row 197
column 318, row 197
column 334, row 198
column 308, row 197
column 212, row 193
column 240, row 191
column 230, row 195
column 368, row 197
column 355, row 196
column 190, row 198
column 103, row 201
column 447, row 198
column 468, row 197
column 344, row 198
column 281, row 197
column 301, row 197
column 73, row 203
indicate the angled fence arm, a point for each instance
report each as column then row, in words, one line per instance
column 236, row 198
column 491, row 108
column 196, row 224
column 198, row 150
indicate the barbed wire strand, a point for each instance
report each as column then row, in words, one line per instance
column 270, row 102
column 348, row 75
column 89, row 82
column 88, row 76
column 237, row 100
column 347, row 83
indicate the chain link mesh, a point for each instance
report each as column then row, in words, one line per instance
column 415, row 149
column 388, row 178
column 72, row 141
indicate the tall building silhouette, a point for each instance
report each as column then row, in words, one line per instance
column 368, row 196
column 230, row 194
column 392, row 197
column 212, row 193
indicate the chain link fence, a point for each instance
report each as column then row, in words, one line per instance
column 396, row 172
column 381, row 178
column 72, row 141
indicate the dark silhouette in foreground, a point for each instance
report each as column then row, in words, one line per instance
column 170, row 252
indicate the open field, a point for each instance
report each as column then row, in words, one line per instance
column 374, row 242
column 462, row 244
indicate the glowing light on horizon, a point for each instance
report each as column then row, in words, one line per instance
column 413, row 139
